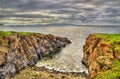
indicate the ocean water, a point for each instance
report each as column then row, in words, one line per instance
column 69, row 58
column 74, row 19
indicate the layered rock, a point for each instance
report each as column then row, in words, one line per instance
column 102, row 55
column 19, row 49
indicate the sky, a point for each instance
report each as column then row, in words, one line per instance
column 69, row 12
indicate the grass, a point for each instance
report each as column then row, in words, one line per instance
column 113, row 73
column 24, row 33
column 117, row 47
column 7, row 33
column 109, row 38
column 114, row 41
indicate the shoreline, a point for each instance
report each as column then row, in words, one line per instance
column 70, row 57
column 44, row 73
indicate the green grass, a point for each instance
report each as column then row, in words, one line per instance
column 7, row 33
column 113, row 73
column 109, row 38
column 116, row 47
column 114, row 41
column 24, row 33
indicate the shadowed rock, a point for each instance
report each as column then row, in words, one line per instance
column 18, row 50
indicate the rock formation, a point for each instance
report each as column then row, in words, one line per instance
column 19, row 49
column 102, row 56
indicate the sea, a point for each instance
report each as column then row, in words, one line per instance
column 74, row 19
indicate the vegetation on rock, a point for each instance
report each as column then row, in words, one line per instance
column 21, row 49
column 8, row 33
column 113, row 73
column 109, row 38
column 102, row 55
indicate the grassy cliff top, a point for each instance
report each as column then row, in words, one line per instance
column 2, row 33
column 9, row 33
column 114, row 41
column 109, row 38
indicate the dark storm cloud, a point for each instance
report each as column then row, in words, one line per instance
column 82, row 11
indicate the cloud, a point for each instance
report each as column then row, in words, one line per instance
column 76, row 11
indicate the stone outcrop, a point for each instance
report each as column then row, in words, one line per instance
column 100, row 54
column 18, row 50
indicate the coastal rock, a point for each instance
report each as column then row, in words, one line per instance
column 19, row 49
column 100, row 53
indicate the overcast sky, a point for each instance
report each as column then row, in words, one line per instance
column 66, row 11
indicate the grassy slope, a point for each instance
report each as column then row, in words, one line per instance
column 114, row 41
column 109, row 38
column 113, row 73
column 8, row 33
column 2, row 33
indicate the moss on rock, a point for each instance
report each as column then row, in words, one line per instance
column 102, row 53
column 21, row 49
column 7, row 33
column 109, row 38
column 113, row 73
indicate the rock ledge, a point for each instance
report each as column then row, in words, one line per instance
column 102, row 56
column 21, row 49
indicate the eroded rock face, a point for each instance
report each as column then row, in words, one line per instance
column 98, row 55
column 20, row 50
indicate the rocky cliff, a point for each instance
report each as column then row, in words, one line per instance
column 102, row 56
column 20, row 49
